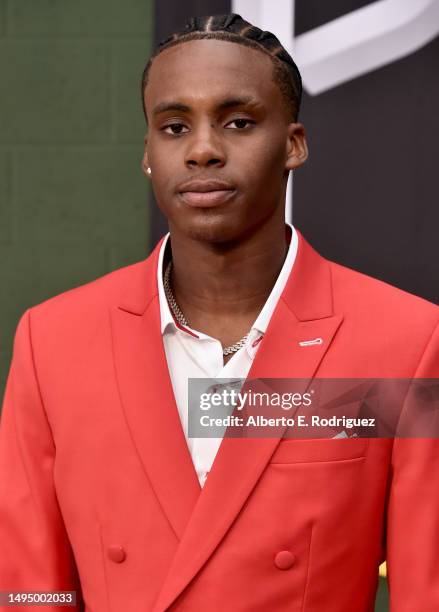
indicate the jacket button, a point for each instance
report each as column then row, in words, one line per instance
column 116, row 553
column 284, row 559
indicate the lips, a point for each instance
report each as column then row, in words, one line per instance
column 206, row 193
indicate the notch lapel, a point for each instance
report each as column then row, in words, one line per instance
column 304, row 312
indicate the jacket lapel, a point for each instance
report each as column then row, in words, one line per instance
column 304, row 312
column 147, row 395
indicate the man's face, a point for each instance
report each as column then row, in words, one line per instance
column 215, row 115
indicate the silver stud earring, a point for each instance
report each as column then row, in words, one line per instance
column 148, row 171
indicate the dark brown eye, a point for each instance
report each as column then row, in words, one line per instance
column 241, row 123
column 176, row 128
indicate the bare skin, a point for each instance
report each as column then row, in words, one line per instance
column 226, row 254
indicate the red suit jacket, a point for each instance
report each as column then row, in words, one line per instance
column 98, row 492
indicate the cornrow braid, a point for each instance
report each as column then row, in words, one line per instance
column 234, row 28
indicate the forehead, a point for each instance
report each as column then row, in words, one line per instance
column 208, row 69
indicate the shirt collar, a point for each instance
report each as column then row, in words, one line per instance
column 167, row 322
column 166, row 319
column 264, row 316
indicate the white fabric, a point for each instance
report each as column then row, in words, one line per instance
column 201, row 357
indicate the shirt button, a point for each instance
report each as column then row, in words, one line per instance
column 284, row 559
column 116, row 553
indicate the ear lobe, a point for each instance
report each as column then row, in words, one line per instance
column 297, row 147
column 144, row 165
column 145, row 161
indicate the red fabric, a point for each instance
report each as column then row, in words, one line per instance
column 98, row 492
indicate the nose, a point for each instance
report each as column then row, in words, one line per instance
column 204, row 148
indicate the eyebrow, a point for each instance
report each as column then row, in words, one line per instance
column 163, row 107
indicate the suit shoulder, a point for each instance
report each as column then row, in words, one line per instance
column 92, row 295
column 380, row 297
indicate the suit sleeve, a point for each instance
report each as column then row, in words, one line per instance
column 35, row 551
column 413, row 512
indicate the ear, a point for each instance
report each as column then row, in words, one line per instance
column 145, row 160
column 297, row 147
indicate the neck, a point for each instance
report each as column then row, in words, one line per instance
column 213, row 283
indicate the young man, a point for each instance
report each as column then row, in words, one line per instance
column 102, row 491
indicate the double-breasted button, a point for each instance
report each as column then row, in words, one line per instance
column 284, row 559
column 116, row 553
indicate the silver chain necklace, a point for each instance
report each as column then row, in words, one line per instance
column 181, row 318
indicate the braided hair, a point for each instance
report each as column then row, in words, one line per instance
column 234, row 28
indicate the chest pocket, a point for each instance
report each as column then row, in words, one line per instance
column 312, row 450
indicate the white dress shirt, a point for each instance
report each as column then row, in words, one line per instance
column 192, row 354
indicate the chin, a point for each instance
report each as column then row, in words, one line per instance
column 211, row 228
